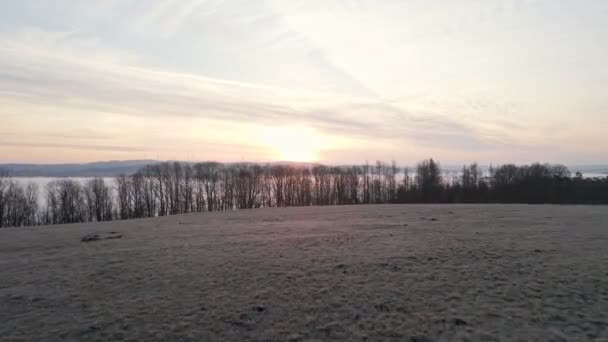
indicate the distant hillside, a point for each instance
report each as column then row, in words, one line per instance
column 115, row 168
column 98, row 169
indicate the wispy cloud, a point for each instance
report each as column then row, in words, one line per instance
column 47, row 75
column 167, row 75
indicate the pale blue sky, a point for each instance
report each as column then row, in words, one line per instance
column 492, row 81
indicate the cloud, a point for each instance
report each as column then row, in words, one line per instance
column 79, row 146
column 442, row 78
column 168, row 17
column 45, row 73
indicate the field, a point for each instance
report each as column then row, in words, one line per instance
column 353, row 273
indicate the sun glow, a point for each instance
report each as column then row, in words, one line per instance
column 294, row 143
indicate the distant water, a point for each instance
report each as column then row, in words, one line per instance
column 593, row 175
column 43, row 181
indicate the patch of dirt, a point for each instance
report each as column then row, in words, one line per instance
column 101, row 236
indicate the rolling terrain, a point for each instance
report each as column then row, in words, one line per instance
column 352, row 273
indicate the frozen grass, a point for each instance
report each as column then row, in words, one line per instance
column 400, row 272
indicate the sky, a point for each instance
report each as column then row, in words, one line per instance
column 339, row 81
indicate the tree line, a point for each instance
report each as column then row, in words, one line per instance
column 177, row 188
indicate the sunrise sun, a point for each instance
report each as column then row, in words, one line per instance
column 293, row 143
